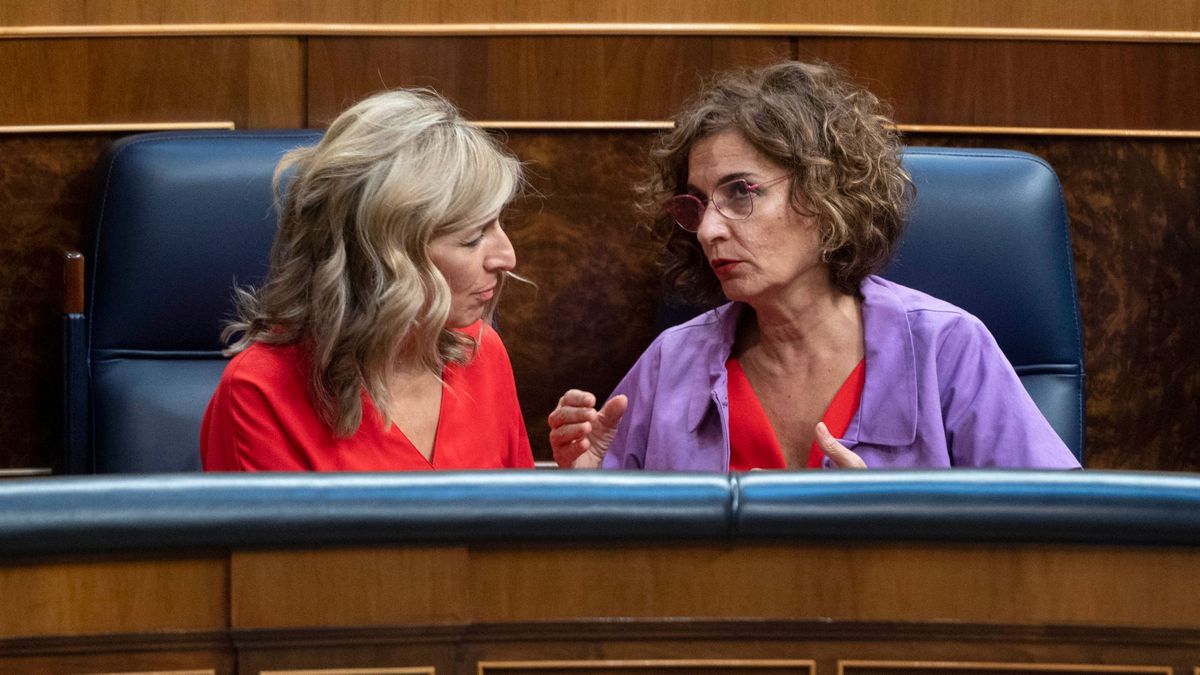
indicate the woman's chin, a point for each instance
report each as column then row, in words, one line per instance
column 463, row 319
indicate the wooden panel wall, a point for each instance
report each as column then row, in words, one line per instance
column 675, row 608
column 530, row 78
column 1148, row 15
column 1133, row 199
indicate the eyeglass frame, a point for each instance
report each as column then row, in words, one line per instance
column 751, row 189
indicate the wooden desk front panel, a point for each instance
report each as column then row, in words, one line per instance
column 852, row 609
column 986, row 584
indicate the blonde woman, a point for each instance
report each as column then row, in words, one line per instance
column 369, row 348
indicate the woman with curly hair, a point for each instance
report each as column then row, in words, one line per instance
column 781, row 190
column 369, row 348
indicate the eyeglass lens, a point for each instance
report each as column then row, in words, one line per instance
column 734, row 200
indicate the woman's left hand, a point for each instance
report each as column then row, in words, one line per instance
column 842, row 457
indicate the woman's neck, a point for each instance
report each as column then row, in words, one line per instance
column 818, row 321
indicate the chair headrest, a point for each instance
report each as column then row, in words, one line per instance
column 180, row 218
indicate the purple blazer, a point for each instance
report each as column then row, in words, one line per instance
column 938, row 393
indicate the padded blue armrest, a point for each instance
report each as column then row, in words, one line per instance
column 972, row 505
column 196, row 511
column 179, row 511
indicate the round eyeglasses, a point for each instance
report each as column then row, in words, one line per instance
column 734, row 200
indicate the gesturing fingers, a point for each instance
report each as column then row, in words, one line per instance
column 842, row 457
column 610, row 415
column 577, row 398
column 574, row 407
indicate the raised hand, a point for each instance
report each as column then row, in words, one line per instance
column 580, row 434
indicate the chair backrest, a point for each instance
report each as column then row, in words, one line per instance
column 988, row 232
column 178, row 219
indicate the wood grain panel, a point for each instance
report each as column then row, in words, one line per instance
column 995, row 584
column 348, row 587
column 924, row 667
column 114, row 596
column 649, row 667
column 275, row 83
column 530, row 78
column 591, row 310
column 74, row 81
column 44, row 185
column 1015, row 84
column 1109, row 14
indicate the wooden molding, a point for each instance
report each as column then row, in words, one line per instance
column 848, row 667
column 1047, row 131
column 598, row 28
column 116, row 127
column 617, row 125
column 418, row 670
column 686, row 665
column 66, row 645
column 422, row 670
column 562, row 125
column 162, row 672
column 659, row 125
column 711, row 630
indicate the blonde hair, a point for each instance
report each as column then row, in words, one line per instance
column 350, row 275
column 835, row 137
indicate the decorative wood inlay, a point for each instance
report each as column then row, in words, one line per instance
column 162, row 672
column 588, row 28
column 971, row 668
column 1168, row 15
column 128, row 127
column 659, row 125
column 638, row 667
column 1046, row 131
column 420, row 670
column 581, row 125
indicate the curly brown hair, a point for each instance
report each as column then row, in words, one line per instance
column 838, row 142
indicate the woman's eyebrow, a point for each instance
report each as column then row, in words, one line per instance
column 736, row 175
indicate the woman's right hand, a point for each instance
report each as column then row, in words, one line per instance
column 580, row 434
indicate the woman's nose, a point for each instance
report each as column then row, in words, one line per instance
column 713, row 225
column 502, row 257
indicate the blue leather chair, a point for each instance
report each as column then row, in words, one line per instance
column 178, row 218
column 988, row 232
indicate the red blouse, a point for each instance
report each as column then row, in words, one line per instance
column 752, row 442
column 262, row 419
